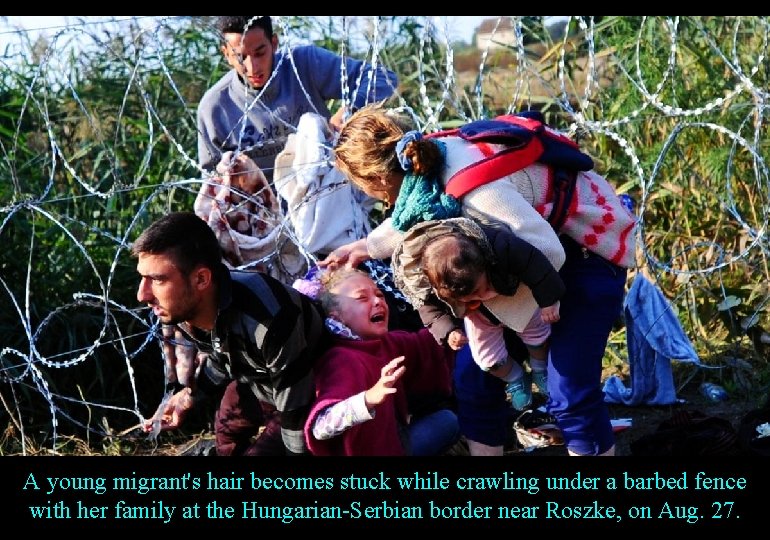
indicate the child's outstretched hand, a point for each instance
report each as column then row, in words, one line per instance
column 389, row 375
column 456, row 339
column 550, row 314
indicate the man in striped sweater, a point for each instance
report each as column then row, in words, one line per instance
column 261, row 336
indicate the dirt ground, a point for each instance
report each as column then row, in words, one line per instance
column 644, row 420
column 647, row 419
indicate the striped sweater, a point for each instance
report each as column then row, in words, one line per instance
column 267, row 336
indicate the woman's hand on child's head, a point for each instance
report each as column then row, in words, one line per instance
column 389, row 375
column 353, row 254
column 550, row 314
column 334, row 259
column 457, row 339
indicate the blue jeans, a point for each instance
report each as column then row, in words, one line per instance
column 434, row 433
column 592, row 303
column 482, row 410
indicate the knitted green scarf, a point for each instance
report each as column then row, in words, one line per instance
column 422, row 198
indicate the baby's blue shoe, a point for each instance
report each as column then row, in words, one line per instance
column 540, row 378
column 520, row 392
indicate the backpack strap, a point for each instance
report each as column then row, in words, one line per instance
column 493, row 167
column 563, row 186
column 520, row 134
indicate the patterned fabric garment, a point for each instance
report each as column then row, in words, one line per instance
column 340, row 329
column 181, row 356
column 341, row 416
column 244, row 213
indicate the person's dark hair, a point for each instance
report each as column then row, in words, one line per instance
column 453, row 264
column 240, row 25
column 185, row 237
